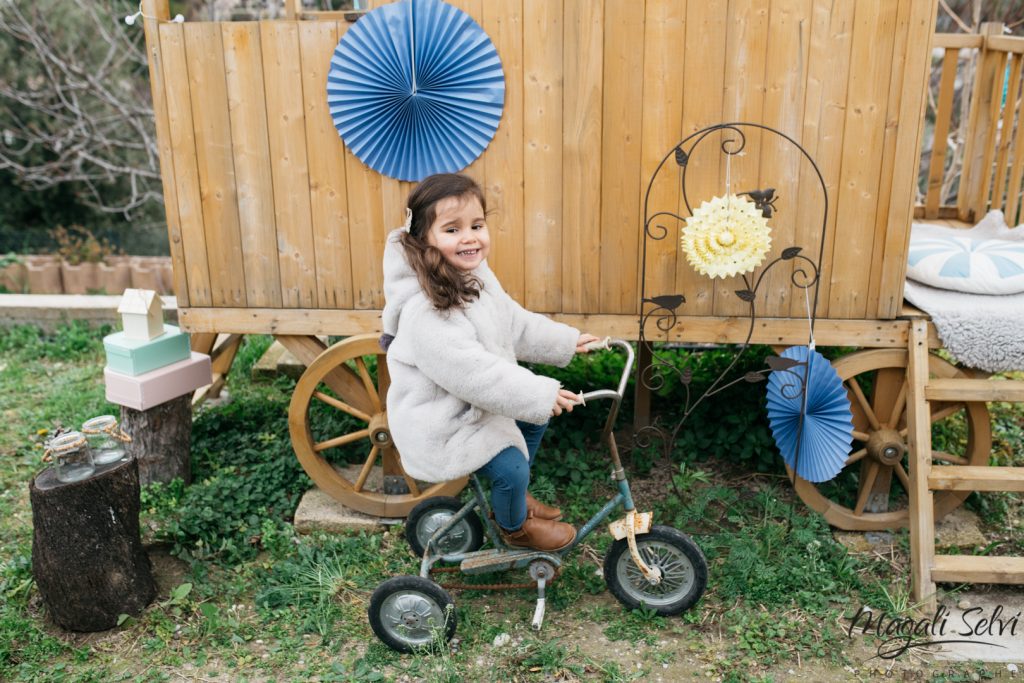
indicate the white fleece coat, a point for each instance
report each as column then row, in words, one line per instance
column 456, row 388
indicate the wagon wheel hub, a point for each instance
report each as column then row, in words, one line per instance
column 379, row 432
column 886, row 446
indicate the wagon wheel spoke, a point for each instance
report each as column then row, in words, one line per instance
column 383, row 379
column 855, row 456
column 364, row 472
column 341, row 405
column 341, row 440
column 862, row 401
column 899, row 406
column 902, row 475
column 392, row 465
column 943, row 410
column 411, row 483
column 861, row 436
column 345, row 383
column 949, row 457
column 865, row 486
column 371, row 390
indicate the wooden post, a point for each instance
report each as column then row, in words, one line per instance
column 642, row 393
column 919, row 437
column 161, row 439
column 87, row 557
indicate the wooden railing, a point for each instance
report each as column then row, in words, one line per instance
column 987, row 172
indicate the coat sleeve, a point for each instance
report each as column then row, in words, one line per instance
column 539, row 339
column 448, row 353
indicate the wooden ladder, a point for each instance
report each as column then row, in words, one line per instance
column 926, row 567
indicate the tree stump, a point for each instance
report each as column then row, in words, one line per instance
column 161, row 440
column 87, row 556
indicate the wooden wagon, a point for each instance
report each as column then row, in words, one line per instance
column 276, row 228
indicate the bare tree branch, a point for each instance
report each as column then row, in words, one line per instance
column 74, row 106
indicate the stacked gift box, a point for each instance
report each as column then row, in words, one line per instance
column 150, row 362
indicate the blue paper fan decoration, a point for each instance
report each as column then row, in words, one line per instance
column 416, row 87
column 825, row 434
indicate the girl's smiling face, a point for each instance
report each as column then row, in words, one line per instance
column 459, row 232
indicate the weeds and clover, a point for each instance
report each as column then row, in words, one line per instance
column 255, row 602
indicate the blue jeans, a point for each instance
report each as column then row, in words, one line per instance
column 509, row 473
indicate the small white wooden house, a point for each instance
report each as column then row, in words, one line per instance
column 141, row 314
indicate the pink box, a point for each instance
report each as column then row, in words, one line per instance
column 142, row 392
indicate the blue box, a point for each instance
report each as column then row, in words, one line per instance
column 137, row 356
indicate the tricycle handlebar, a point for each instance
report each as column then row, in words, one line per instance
column 626, row 370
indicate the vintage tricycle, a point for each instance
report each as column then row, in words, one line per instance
column 650, row 566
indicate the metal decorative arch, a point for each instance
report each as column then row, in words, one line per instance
column 662, row 309
column 416, row 87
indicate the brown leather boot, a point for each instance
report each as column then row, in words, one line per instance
column 540, row 510
column 540, row 534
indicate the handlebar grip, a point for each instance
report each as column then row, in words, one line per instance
column 598, row 344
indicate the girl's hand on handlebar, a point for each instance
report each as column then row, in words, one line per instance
column 585, row 338
column 564, row 402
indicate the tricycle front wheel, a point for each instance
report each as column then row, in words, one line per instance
column 684, row 572
column 410, row 613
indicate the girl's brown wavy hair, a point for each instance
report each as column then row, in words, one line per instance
column 445, row 285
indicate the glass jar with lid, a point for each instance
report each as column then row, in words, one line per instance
column 71, row 456
column 105, row 439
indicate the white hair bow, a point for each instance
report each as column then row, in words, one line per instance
column 407, row 226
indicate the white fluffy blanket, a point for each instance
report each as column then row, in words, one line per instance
column 981, row 330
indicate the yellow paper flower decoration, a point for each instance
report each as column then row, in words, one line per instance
column 726, row 236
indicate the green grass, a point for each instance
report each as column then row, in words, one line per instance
column 251, row 600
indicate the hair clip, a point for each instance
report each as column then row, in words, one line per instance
column 407, row 226
column 131, row 18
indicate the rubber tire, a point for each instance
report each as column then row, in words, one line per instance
column 632, row 597
column 434, row 594
column 471, row 525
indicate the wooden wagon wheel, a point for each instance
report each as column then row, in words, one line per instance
column 340, row 379
column 876, row 383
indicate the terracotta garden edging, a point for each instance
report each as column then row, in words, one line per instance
column 49, row 274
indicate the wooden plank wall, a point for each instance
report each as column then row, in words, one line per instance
column 268, row 209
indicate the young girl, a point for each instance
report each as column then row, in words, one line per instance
column 459, row 402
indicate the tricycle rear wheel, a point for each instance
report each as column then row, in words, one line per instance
column 427, row 517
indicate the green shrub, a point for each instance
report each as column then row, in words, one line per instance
column 244, row 472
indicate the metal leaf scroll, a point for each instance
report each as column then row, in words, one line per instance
column 665, row 309
column 415, row 88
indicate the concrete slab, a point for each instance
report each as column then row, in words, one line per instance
column 990, row 624
column 277, row 360
column 961, row 528
column 317, row 511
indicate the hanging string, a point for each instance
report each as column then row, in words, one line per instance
column 412, row 41
column 132, row 18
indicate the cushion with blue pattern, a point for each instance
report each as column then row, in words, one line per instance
column 985, row 259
